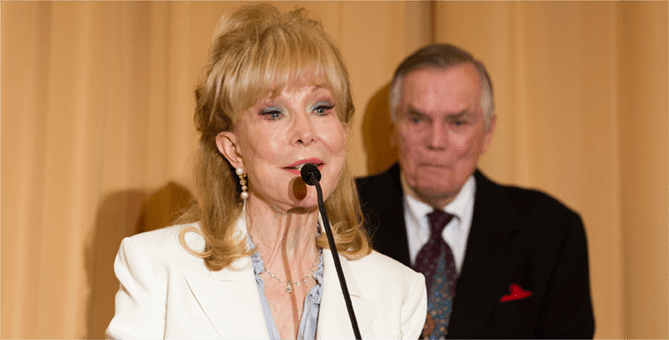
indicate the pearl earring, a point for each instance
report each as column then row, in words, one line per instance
column 242, row 181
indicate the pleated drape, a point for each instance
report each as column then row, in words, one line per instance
column 97, row 135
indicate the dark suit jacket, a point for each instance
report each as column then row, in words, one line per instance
column 517, row 236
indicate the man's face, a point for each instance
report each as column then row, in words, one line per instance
column 440, row 131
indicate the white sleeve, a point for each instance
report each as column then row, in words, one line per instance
column 414, row 309
column 140, row 308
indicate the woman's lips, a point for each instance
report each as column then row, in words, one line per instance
column 297, row 166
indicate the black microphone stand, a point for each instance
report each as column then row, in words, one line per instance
column 312, row 176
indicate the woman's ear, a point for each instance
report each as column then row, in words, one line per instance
column 226, row 142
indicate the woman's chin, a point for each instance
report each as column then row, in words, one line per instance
column 299, row 190
column 303, row 195
column 308, row 202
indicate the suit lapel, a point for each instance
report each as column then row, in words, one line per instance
column 385, row 197
column 220, row 290
column 333, row 319
column 492, row 252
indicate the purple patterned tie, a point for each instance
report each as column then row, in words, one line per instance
column 435, row 260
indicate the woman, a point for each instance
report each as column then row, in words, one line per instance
column 254, row 262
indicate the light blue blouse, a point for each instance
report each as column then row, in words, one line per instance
column 312, row 302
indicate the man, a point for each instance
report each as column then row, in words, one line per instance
column 509, row 262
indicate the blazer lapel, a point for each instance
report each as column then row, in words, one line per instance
column 492, row 252
column 229, row 297
column 333, row 319
column 220, row 290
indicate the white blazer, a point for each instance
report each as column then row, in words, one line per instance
column 166, row 292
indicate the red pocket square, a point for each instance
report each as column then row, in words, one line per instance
column 516, row 292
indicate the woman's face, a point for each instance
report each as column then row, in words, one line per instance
column 278, row 135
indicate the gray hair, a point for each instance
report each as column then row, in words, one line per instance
column 440, row 56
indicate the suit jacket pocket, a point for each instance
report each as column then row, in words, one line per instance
column 513, row 319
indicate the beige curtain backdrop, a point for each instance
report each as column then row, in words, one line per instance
column 97, row 134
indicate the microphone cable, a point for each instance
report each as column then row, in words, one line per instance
column 311, row 176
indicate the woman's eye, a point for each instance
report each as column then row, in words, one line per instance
column 323, row 109
column 271, row 113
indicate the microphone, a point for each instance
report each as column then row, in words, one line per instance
column 312, row 176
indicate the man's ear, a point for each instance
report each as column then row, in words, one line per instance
column 226, row 142
column 488, row 134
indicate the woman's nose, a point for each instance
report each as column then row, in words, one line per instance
column 303, row 130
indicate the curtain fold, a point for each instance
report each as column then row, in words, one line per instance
column 644, row 155
column 97, row 134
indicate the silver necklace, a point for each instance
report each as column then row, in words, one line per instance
column 289, row 284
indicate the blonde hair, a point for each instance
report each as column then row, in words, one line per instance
column 256, row 52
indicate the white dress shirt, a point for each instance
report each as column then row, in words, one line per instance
column 457, row 230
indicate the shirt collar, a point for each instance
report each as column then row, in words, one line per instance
column 457, row 207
